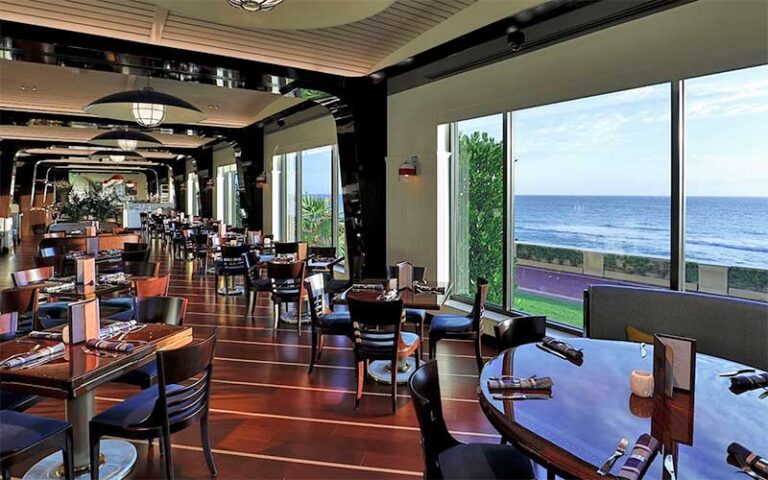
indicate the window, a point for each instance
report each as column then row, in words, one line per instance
column 227, row 195
column 478, row 190
column 312, row 204
column 193, row 195
column 726, row 247
column 591, row 198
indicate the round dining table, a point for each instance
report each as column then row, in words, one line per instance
column 592, row 407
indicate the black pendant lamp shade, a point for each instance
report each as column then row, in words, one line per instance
column 147, row 107
column 125, row 139
column 115, row 156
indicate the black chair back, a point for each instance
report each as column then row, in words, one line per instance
column 322, row 252
column 142, row 269
column 300, row 249
column 376, row 327
column 285, row 275
column 424, row 386
column 133, row 246
column 318, row 306
column 55, row 261
column 234, row 253
column 252, row 261
column 419, row 273
column 135, row 255
column 178, row 406
column 516, row 331
column 478, row 308
column 19, row 300
column 167, row 310
column 201, row 240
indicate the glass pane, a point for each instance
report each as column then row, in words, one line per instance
column 316, row 204
column 342, row 247
column 727, row 184
column 592, row 204
column 479, row 207
column 290, row 197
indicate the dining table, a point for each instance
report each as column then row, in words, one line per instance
column 590, row 407
column 74, row 376
column 428, row 296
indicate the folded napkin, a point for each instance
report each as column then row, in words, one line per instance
column 757, row 463
column 367, row 286
column 531, row 383
column 29, row 357
column 427, row 288
column 112, row 278
column 46, row 335
column 388, row 296
column 562, row 347
column 99, row 344
column 750, row 382
column 641, row 456
column 60, row 287
column 116, row 328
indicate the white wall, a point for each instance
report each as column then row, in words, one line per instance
column 312, row 134
column 221, row 156
column 703, row 37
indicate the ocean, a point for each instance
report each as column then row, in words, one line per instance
column 731, row 231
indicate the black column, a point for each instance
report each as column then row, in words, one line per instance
column 248, row 144
column 205, row 178
column 7, row 158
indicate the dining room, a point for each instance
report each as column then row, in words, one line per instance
column 464, row 239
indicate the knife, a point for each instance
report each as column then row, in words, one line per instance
column 737, row 372
column 553, row 352
column 522, row 396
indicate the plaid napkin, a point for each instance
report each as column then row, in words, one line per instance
column 116, row 328
column 562, row 347
column 60, row 287
column 29, row 357
column 531, row 383
column 758, row 464
column 98, row 344
column 46, row 335
column 750, row 382
column 642, row 454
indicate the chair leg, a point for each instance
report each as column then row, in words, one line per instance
column 320, row 347
column 248, row 304
column 69, row 456
column 479, row 352
column 166, row 442
column 6, row 474
column 314, row 336
column 394, row 385
column 207, row 445
column 276, row 309
column 360, row 380
column 432, row 347
column 299, row 303
column 95, row 439
column 420, row 333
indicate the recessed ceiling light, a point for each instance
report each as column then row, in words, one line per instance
column 28, row 88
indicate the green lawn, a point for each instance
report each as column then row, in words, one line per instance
column 558, row 310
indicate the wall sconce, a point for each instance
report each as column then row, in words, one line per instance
column 408, row 168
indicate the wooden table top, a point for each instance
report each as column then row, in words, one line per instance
column 411, row 299
column 592, row 407
column 77, row 372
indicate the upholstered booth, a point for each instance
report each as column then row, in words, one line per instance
column 726, row 327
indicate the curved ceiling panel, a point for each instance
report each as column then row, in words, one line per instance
column 289, row 15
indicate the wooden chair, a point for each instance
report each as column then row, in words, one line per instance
column 152, row 287
column 24, row 437
column 446, row 457
column 10, row 400
column 178, row 401
column 9, row 323
column 53, row 261
column 517, row 331
column 324, row 320
column 254, row 283
column 469, row 327
column 377, row 336
column 231, row 264
column 136, row 255
column 142, row 269
column 23, row 278
column 299, row 249
column 287, row 287
column 416, row 316
column 25, row 301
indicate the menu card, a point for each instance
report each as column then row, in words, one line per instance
column 83, row 321
column 222, row 229
column 86, row 270
column 92, row 245
column 90, row 231
column 404, row 275
column 674, row 364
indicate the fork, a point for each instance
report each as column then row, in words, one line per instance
column 21, row 354
column 669, row 466
column 621, row 449
column 99, row 353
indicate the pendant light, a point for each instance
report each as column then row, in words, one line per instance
column 115, row 156
column 125, row 139
column 147, row 107
column 255, row 5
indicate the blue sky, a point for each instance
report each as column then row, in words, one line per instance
column 316, row 170
column 618, row 143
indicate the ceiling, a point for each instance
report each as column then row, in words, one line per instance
column 63, row 135
column 343, row 37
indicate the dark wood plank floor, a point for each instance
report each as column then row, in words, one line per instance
column 270, row 419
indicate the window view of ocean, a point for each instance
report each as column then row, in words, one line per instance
column 730, row 231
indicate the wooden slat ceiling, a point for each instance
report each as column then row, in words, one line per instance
column 57, row 134
column 352, row 49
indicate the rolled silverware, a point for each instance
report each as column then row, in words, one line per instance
column 553, row 352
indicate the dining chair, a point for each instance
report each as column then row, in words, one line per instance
column 10, row 400
column 287, row 287
column 24, row 437
column 167, row 310
column 134, row 246
column 300, row 249
column 254, row 282
column 322, row 252
column 413, row 315
column 142, row 269
column 444, row 456
column 9, row 323
column 152, row 287
column 25, row 302
column 231, row 264
column 465, row 327
column 135, row 255
column 517, row 331
column 377, row 335
column 324, row 320
column 23, row 278
column 54, row 261
column 166, row 408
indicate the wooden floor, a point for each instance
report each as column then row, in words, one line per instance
column 270, row 419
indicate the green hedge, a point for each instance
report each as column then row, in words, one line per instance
column 554, row 255
column 748, row 279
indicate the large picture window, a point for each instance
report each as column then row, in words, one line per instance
column 228, row 197
column 551, row 199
